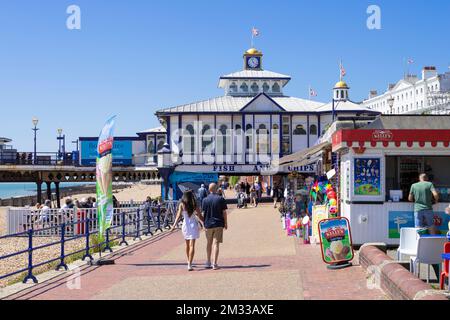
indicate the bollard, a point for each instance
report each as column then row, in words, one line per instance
column 124, row 241
column 87, row 254
column 30, row 275
column 62, row 264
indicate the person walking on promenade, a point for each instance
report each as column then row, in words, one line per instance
column 247, row 189
column 202, row 193
column 275, row 196
column 191, row 214
column 422, row 194
column 253, row 196
column 214, row 210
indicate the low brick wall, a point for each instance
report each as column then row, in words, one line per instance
column 395, row 280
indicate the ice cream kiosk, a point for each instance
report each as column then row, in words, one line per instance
column 377, row 169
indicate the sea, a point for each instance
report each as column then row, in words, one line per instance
column 11, row 190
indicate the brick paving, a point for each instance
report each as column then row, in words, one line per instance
column 258, row 261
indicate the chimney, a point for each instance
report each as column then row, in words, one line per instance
column 373, row 94
column 428, row 72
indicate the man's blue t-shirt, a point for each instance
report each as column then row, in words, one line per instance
column 213, row 206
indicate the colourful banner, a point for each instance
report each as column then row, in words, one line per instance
column 104, row 176
column 335, row 240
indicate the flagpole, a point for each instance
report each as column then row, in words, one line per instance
column 251, row 44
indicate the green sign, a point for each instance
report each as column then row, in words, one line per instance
column 335, row 240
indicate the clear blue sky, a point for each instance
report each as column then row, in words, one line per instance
column 133, row 57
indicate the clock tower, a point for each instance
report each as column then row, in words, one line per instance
column 253, row 59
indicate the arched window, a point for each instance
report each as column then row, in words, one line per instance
column 233, row 87
column 248, row 137
column 150, row 145
column 342, row 94
column 276, row 87
column 255, row 87
column 223, row 141
column 275, row 138
column 265, row 87
column 299, row 130
column 262, row 145
column 313, row 129
column 160, row 144
column 244, row 87
column 188, row 143
column 207, row 138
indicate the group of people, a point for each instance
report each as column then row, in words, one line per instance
column 253, row 191
column 44, row 216
column 208, row 211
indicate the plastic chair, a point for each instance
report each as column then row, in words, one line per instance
column 445, row 270
column 408, row 243
column 429, row 251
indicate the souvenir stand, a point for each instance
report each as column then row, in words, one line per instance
column 377, row 169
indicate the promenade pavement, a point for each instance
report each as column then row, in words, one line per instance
column 258, row 261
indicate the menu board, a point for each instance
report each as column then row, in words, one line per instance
column 367, row 177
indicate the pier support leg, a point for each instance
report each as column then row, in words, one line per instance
column 39, row 192
column 49, row 190
column 58, row 199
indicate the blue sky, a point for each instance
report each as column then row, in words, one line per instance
column 133, row 57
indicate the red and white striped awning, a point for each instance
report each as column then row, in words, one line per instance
column 413, row 139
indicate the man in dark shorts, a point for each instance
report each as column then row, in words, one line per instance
column 214, row 210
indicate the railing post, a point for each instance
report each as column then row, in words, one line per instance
column 158, row 219
column 138, row 220
column 107, row 247
column 149, row 231
column 88, row 247
column 30, row 275
column 62, row 264
column 124, row 241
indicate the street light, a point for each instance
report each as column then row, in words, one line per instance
column 35, row 122
column 62, row 139
column 391, row 101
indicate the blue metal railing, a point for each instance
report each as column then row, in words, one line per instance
column 138, row 220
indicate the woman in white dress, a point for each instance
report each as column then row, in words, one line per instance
column 192, row 220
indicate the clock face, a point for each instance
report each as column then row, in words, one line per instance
column 253, row 62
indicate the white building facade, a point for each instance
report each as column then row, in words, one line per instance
column 253, row 124
column 411, row 95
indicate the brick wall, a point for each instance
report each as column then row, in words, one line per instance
column 394, row 279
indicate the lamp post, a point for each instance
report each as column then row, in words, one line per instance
column 35, row 122
column 391, row 103
column 165, row 167
column 62, row 143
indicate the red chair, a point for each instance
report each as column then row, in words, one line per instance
column 444, row 273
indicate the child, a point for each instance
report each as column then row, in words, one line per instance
column 188, row 209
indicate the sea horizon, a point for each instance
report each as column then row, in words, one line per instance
column 24, row 189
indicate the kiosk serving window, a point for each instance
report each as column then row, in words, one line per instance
column 403, row 171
